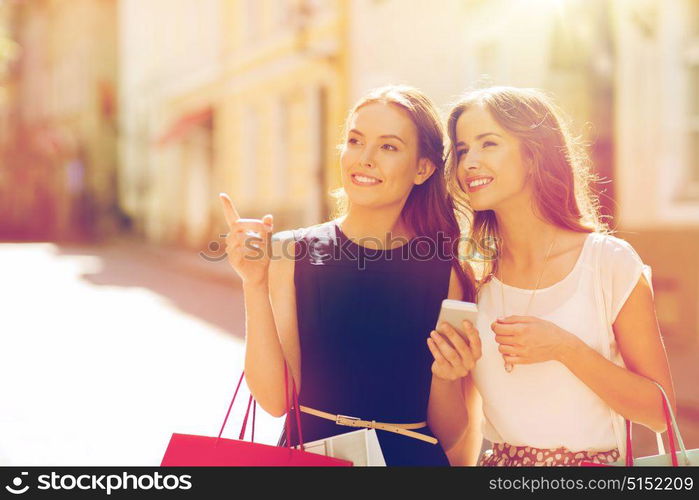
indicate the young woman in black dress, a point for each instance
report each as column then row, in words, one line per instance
column 349, row 304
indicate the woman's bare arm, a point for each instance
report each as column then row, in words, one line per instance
column 266, row 268
column 629, row 391
column 466, row 450
column 454, row 410
column 271, row 330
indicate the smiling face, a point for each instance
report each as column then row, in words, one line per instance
column 491, row 166
column 380, row 160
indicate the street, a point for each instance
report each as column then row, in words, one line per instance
column 106, row 351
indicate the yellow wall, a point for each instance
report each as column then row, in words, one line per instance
column 281, row 64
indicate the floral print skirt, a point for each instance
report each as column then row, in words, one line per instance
column 506, row 455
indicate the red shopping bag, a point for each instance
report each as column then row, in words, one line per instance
column 191, row 450
column 669, row 420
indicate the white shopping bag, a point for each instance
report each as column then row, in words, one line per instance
column 361, row 447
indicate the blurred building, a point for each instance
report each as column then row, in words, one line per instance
column 657, row 141
column 242, row 96
column 9, row 52
column 59, row 155
column 249, row 97
column 563, row 47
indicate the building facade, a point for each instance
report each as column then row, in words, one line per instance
column 657, row 159
column 248, row 99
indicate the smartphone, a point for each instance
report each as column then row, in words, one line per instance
column 455, row 312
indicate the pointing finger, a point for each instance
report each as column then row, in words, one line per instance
column 229, row 211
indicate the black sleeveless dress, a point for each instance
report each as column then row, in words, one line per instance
column 364, row 316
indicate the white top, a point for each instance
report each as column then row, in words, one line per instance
column 543, row 404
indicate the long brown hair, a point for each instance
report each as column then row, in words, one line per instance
column 561, row 173
column 429, row 210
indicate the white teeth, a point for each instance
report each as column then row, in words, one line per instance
column 367, row 180
column 479, row 182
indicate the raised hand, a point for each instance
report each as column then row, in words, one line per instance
column 248, row 244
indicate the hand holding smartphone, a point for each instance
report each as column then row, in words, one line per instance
column 455, row 312
column 455, row 348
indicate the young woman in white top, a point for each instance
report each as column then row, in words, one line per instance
column 555, row 379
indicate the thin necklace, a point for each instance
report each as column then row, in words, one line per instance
column 508, row 366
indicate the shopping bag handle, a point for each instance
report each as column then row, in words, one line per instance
column 673, row 432
column 296, row 408
column 672, row 428
column 253, row 403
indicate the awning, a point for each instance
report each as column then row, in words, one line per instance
column 184, row 124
